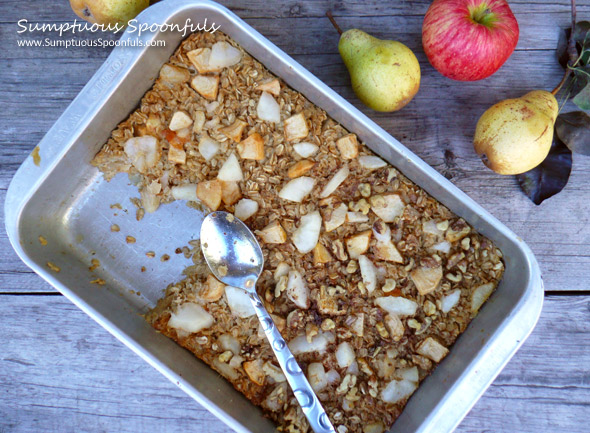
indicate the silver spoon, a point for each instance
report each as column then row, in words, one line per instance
column 235, row 258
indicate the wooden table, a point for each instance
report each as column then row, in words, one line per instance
column 61, row 372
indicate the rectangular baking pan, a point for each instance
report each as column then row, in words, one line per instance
column 67, row 201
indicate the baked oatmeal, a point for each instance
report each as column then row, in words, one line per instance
column 367, row 277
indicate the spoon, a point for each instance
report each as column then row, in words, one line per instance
column 235, row 258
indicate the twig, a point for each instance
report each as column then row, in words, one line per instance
column 571, row 52
column 335, row 24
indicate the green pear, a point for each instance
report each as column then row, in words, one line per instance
column 515, row 135
column 108, row 11
column 385, row 75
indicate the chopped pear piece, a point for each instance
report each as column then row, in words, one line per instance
column 335, row 182
column 305, row 238
column 200, row 60
column 450, row 300
column 273, row 87
column 142, row 152
column 212, row 106
column 432, row 349
column 239, row 302
column 153, row 124
column 348, row 146
column 180, row 120
column 230, row 192
column 426, row 279
column 480, row 295
column 397, row 305
column 191, row 318
column 255, row 371
column 358, row 326
column 384, row 248
column 358, row 244
column 297, row 290
column 402, row 389
column 229, row 342
column 443, row 247
column 300, row 168
column 337, row 218
column 149, row 201
column 176, row 153
column 188, row 192
column 208, row 147
column 230, row 170
column 206, row 86
column 245, row 208
column 321, row 254
column 212, row 290
column 316, row 375
column 209, row 192
column 224, row 55
column 371, row 162
column 273, row 233
column 344, row 355
column 174, row 74
column 268, row 109
column 252, row 147
column 387, row 207
column 368, row 272
column 394, row 325
column 235, row 130
column 274, row 372
column 297, row 189
column 457, row 231
column 305, row 150
column 296, row 127
column 281, row 270
column 225, row 370
column 388, row 252
column 431, row 227
column 319, row 343
column 356, row 217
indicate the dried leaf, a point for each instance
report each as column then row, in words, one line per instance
column 582, row 99
column 549, row 177
column 574, row 130
column 582, row 35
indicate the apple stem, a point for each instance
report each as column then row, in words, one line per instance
column 334, row 23
column 571, row 51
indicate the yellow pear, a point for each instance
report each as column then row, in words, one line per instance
column 515, row 135
column 385, row 74
column 108, row 11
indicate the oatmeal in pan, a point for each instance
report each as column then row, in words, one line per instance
column 368, row 278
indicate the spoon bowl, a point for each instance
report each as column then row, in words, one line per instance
column 231, row 250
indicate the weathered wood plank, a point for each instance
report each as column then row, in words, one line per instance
column 60, row 371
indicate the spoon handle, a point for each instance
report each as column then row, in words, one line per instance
column 310, row 404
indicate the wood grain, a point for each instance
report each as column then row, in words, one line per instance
column 61, row 372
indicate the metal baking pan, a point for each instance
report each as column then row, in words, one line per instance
column 67, row 201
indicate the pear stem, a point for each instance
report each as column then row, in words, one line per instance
column 571, row 51
column 334, row 23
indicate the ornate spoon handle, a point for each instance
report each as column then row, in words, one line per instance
column 310, row 404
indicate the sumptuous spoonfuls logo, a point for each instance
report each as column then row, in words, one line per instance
column 133, row 26
column 78, row 28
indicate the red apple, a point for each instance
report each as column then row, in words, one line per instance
column 468, row 40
